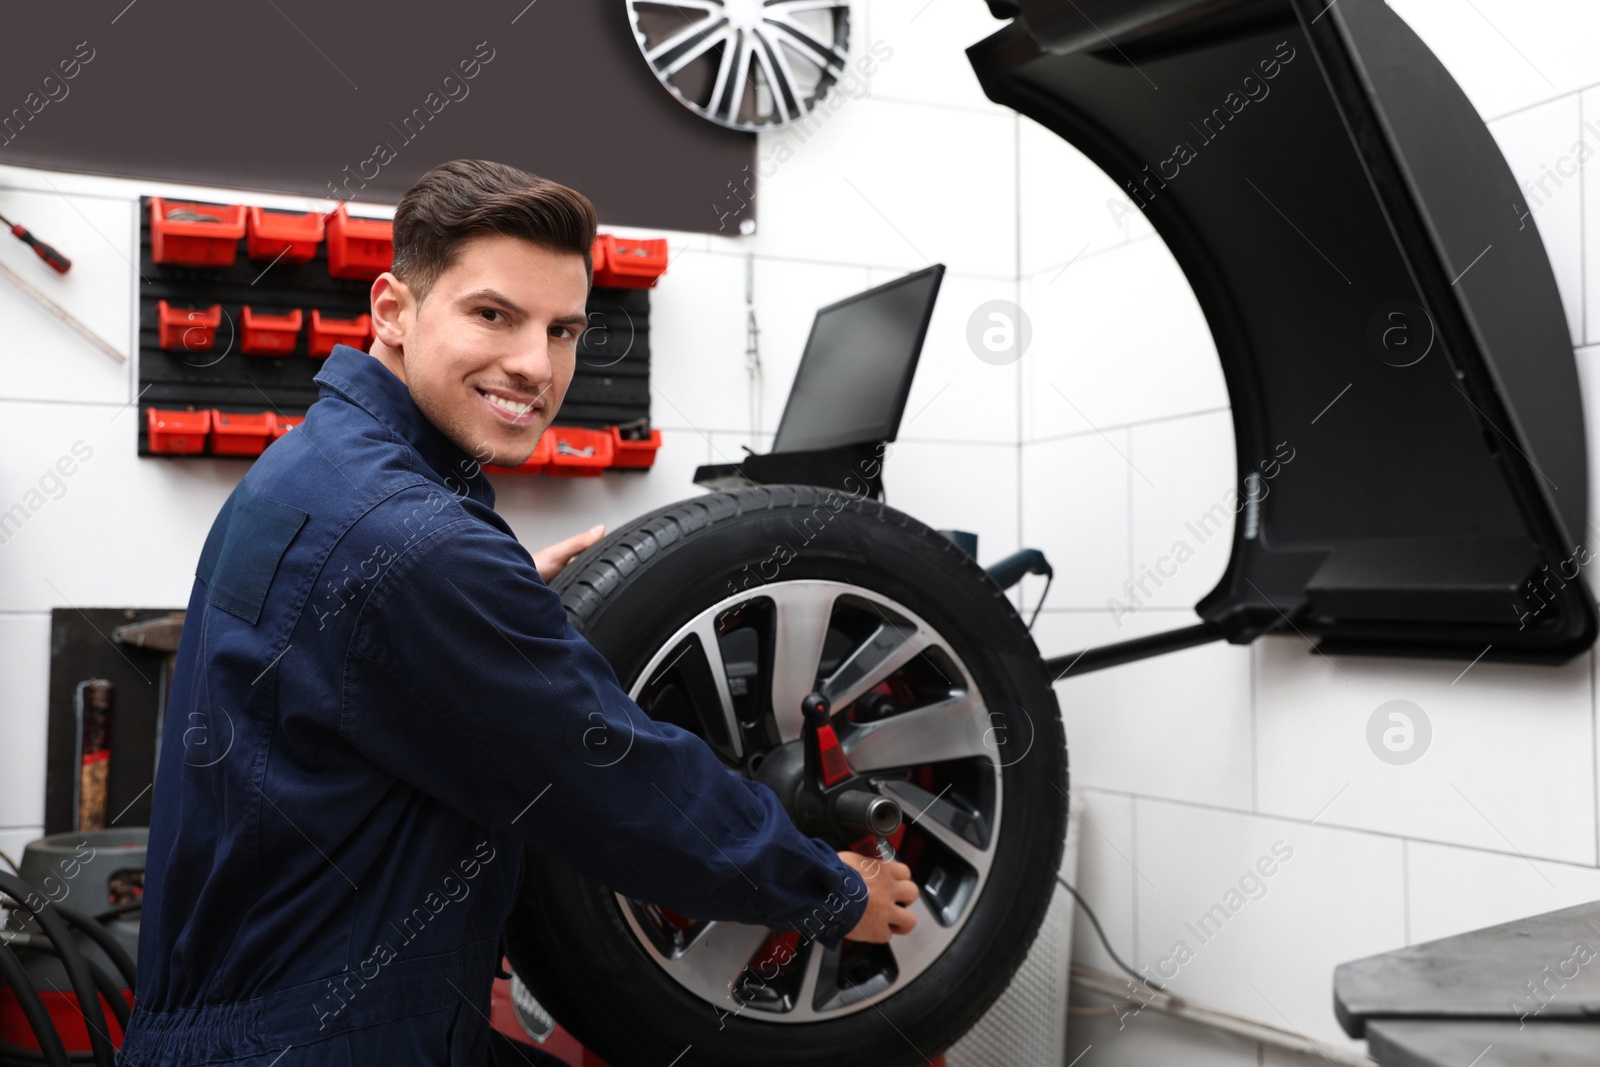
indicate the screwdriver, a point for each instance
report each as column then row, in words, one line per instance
column 58, row 262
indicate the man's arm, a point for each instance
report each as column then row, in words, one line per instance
column 482, row 694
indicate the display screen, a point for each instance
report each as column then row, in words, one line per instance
column 853, row 379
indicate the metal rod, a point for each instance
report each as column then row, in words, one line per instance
column 61, row 313
column 1099, row 658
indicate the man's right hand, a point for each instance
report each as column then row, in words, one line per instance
column 889, row 890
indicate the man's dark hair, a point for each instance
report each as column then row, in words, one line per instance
column 465, row 198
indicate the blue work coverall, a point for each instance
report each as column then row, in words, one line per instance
column 377, row 705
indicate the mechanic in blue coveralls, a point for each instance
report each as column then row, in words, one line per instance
column 378, row 701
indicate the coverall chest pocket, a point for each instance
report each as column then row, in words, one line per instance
column 258, row 535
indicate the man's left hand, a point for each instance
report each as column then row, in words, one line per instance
column 551, row 560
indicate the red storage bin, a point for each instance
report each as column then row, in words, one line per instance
column 536, row 463
column 624, row 263
column 325, row 333
column 261, row 334
column 633, row 454
column 282, row 424
column 578, row 453
column 282, row 237
column 359, row 248
column 187, row 329
column 177, row 432
column 236, row 433
column 195, row 242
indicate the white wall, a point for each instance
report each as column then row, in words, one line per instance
column 1096, row 447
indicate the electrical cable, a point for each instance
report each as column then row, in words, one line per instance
column 118, row 911
column 102, row 937
column 11, row 863
column 51, row 1050
column 109, row 990
column 1048, row 578
column 71, row 959
column 1099, row 932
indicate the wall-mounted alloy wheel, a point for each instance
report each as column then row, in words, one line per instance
column 722, row 614
column 746, row 64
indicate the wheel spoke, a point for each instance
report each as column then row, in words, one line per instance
column 730, row 97
column 928, row 939
column 955, row 728
column 789, row 7
column 779, row 81
column 889, row 648
column 796, row 36
column 725, row 69
column 706, row 632
column 720, row 954
column 940, row 819
column 806, row 999
column 801, row 614
column 719, row 34
column 664, row 56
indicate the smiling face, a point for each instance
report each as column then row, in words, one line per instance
column 490, row 349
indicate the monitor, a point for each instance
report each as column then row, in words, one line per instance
column 858, row 364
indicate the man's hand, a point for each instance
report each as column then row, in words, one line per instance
column 889, row 890
column 551, row 560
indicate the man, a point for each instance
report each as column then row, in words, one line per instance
column 378, row 703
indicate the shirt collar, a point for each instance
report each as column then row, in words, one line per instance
column 361, row 379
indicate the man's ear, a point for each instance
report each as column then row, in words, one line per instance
column 393, row 310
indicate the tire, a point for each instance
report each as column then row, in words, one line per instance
column 589, row 957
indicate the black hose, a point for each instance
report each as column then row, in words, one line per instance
column 51, row 1050
column 102, row 981
column 118, row 911
column 76, row 966
column 108, row 944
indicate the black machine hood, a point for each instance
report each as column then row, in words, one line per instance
column 1380, row 301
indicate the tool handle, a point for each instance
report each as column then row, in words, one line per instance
column 58, row 262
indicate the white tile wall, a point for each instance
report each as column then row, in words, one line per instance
column 1453, row 890
column 702, row 385
column 921, row 46
column 956, row 396
column 1118, row 338
column 1106, row 874
column 1509, row 54
column 1510, row 767
column 24, row 707
column 1338, row 896
column 12, row 840
column 1075, row 509
column 957, row 486
column 1175, row 726
column 1185, row 489
column 788, row 294
column 896, row 184
column 1069, row 206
